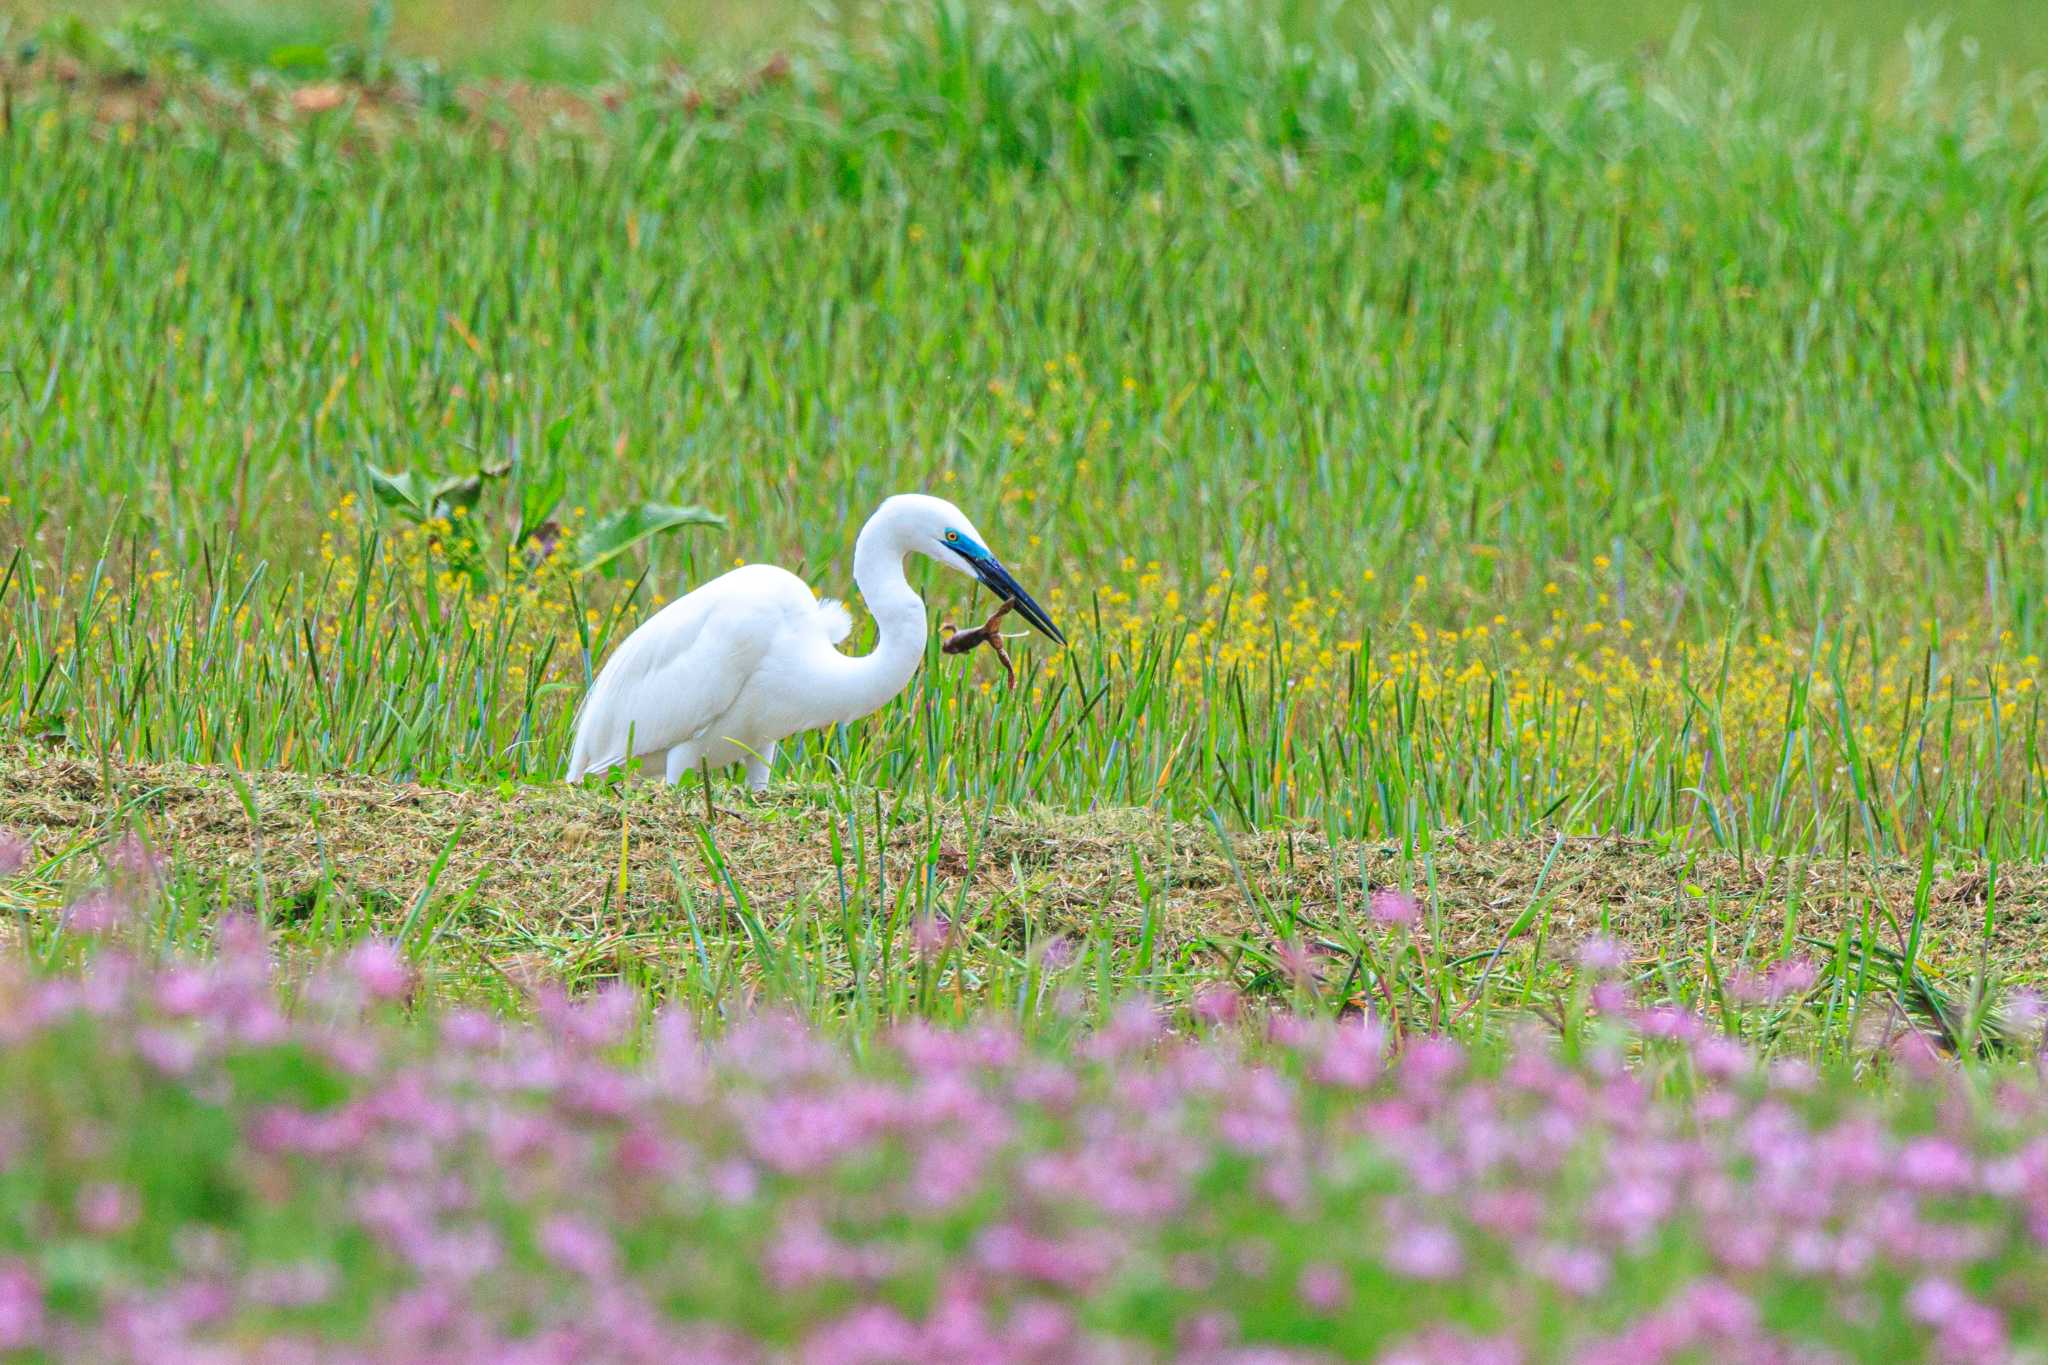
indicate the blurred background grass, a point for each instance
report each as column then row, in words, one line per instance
column 1406, row 436
column 590, row 39
column 1415, row 429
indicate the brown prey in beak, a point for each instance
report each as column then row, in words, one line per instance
column 966, row 641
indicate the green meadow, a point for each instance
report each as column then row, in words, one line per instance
column 1535, row 847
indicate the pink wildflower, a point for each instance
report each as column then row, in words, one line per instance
column 1793, row 976
column 605, row 1018
column 577, row 1245
column 1038, row 1329
column 183, row 991
column 470, row 1030
column 947, row 1172
column 1669, row 1021
column 734, row 1182
column 1395, row 907
column 800, row 1254
column 1975, row 1333
column 1609, row 997
column 1296, row 961
column 1075, row 1263
column 1746, row 987
column 2023, row 1013
column 1717, row 1310
column 301, row 1284
column 1216, row 1003
column 1289, row 1031
column 1599, row 954
column 1721, row 1058
column 15, row 851
column 929, row 934
column 1966, row 1329
column 380, row 970
column 171, row 1053
column 135, row 860
column 1917, row 1055
column 1451, row 1346
column 1130, row 1030
column 106, row 1209
column 1353, row 1055
column 1792, row 1074
column 1579, row 1271
column 1935, row 1301
column 1323, row 1287
column 1057, row 953
column 96, row 912
column 241, row 940
column 874, row 1335
column 1934, row 1164
column 1428, row 1062
column 1425, row 1251
column 21, row 1307
column 1207, row 1331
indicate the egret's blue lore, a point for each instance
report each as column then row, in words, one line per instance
column 723, row 674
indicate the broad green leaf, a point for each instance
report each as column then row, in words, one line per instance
column 539, row 494
column 411, row 494
column 457, row 490
column 557, row 432
column 611, row 536
column 403, row 492
column 80, row 39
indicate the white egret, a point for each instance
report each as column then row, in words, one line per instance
column 724, row 673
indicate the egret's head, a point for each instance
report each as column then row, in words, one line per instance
column 935, row 527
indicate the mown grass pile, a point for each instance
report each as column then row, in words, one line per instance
column 850, row 910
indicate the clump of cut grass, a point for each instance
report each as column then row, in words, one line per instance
column 856, row 908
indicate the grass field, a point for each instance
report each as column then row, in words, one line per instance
column 1564, row 480
column 577, row 40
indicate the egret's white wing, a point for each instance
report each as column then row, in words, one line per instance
column 674, row 676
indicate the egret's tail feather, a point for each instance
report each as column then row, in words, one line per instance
column 587, row 758
column 581, row 764
column 580, row 760
column 593, row 753
column 838, row 620
column 609, row 728
column 595, row 748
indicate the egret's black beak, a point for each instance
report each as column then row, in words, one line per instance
column 997, row 580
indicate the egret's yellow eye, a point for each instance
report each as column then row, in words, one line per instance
column 952, row 535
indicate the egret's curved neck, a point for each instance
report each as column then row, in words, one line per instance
column 873, row 678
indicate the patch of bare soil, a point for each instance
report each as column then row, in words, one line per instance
column 373, row 112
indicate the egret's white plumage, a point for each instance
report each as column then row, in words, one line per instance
column 724, row 673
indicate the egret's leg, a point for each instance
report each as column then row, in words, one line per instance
column 757, row 769
column 678, row 764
